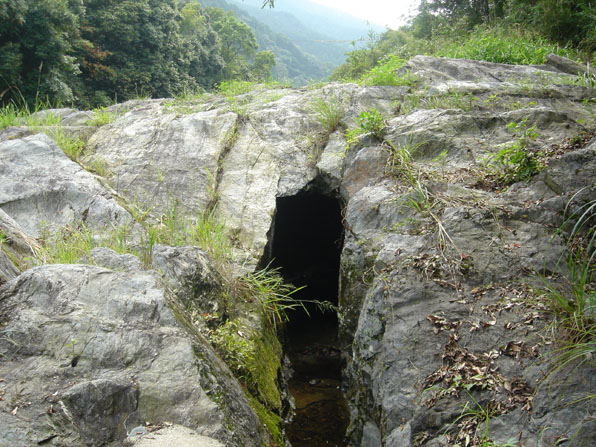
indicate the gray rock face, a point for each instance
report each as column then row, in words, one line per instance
column 90, row 353
column 42, row 187
column 438, row 305
column 158, row 158
column 447, row 266
column 15, row 246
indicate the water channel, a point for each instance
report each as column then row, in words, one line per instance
column 306, row 244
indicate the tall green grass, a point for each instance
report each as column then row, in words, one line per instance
column 573, row 303
column 501, row 44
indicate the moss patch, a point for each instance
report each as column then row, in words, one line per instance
column 271, row 420
column 254, row 354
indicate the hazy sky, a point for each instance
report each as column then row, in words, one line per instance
column 382, row 12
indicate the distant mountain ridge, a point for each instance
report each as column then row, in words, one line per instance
column 302, row 53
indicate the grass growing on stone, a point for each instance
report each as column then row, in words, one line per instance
column 73, row 147
column 248, row 345
column 70, row 244
column 328, row 112
column 573, row 303
column 12, row 115
column 101, row 117
column 516, row 161
column 371, row 122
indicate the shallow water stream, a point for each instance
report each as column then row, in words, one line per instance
column 321, row 414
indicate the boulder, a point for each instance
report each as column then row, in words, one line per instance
column 91, row 353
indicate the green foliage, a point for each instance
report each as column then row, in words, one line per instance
column 271, row 420
column 37, row 44
column 568, row 22
column 260, row 70
column 505, row 45
column 400, row 162
column 93, row 51
column 373, row 122
column 237, row 44
column 385, row 73
column 328, row 112
column 360, row 61
column 9, row 116
column 101, row 117
column 516, row 162
column 67, row 245
column 20, row 115
column 235, row 88
column 73, row 147
column 369, row 122
column 273, row 294
column 501, row 31
column 573, row 303
column 254, row 355
column 203, row 230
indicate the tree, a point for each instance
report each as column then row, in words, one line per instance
column 262, row 65
column 36, row 50
column 202, row 43
column 145, row 53
column 238, row 42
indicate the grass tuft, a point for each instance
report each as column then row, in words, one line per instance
column 573, row 303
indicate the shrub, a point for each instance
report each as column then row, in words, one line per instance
column 385, row 73
column 516, row 162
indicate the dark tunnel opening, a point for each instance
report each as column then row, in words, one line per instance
column 306, row 243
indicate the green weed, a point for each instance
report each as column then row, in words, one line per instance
column 73, row 147
column 273, row 294
column 68, row 245
column 235, row 88
column 516, row 162
column 328, row 113
column 400, row 162
column 370, row 122
column 505, row 45
column 384, row 73
column 101, row 117
column 574, row 303
column 9, row 116
column 42, row 119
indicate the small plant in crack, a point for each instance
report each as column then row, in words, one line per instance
column 370, row 122
column 473, row 423
column 328, row 113
column 401, row 160
column 516, row 161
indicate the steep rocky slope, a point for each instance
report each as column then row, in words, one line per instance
column 440, row 256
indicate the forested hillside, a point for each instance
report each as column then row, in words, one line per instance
column 94, row 52
column 292, row 63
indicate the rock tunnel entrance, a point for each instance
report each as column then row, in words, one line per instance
column 306, row 243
